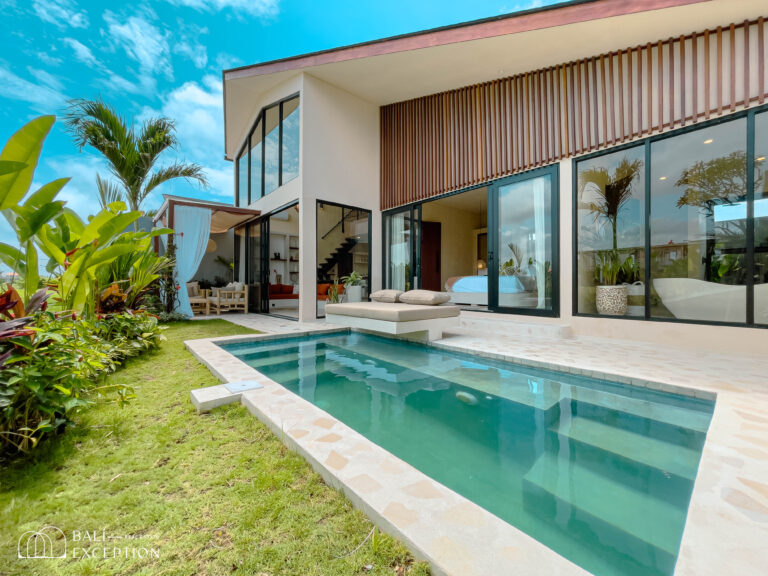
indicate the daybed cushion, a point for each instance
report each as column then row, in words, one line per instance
column 193, row 289
column 390, row 296
column 425, row 297
column 391, row 312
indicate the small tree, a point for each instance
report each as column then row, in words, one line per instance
column 131, row 154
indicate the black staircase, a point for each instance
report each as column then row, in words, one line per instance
column 341, row 256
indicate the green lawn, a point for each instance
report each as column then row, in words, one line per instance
column 211, row 494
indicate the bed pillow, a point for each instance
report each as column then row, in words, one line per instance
column 425, row 297
column 390, row 296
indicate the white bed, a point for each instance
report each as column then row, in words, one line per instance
column 514, row 291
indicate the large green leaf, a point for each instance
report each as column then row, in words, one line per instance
column 46, row 193
column 29, row 221
column 91, row 231
column 12, row 257
column 24, row 146
column 49, row 246
column 104, row 256
column 9, row 167
column 116, row 226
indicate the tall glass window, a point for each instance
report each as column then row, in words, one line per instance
column 242, row 179
column 399, row 261
column 256, row 162
column 271, row 149
column 290, row 139
column 610, row 223
column 761, row 218
column 525, row 256
column 698, row 224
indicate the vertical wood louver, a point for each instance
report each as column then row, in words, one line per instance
column 463, row 137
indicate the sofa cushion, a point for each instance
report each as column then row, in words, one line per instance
column 391, row 312
column 274, row 289
column 425, row 297
column 390, row 296
column 322, row 289
column 286, row 288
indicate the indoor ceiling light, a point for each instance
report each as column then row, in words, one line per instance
column 709, row 141
column 663, row 178
column 760, row 159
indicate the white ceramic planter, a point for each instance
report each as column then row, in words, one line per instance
column 354, row 293
column 611, row 300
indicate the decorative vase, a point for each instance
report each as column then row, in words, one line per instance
column 635, row 299
column 611, row 300
column 354, row 293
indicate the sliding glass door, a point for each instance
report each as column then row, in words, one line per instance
column 522, row 249
column 401, row 249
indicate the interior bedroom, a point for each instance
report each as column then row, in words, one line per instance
column 454, row 247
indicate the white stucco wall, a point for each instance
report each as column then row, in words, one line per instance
column 340, row 163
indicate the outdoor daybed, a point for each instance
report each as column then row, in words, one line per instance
column 394, row 318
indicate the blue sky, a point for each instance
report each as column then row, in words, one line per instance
column 166, row 57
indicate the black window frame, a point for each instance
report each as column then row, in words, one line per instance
column 749, row 114
column 246, row 149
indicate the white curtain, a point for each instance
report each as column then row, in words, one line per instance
column 192, row 227
column 540, row 227
column 398, row 252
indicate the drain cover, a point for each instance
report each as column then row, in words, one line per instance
column 242, row 386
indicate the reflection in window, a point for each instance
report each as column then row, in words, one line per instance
column 242, row 179
column 698, row 247
column 399, row 246
column 271, row 149
column 290, row 139
column 761, row 219
column 525, row 244
column 256, row 162
column 611, row 233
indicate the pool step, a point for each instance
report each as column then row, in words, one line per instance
column 660, row 411
column 601, row 511
column 669, row 458
column 292, row 356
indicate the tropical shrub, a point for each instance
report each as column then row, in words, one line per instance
column 55, row 366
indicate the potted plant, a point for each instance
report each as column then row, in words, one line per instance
column 632, row 279
column 610, row 297
column 609, row 194
column 333, row 294
column 353, row 287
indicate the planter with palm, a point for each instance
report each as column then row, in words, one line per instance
column 131, row 153
column 611, row 192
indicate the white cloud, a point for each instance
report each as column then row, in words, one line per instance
column 142, row 42
column 196, row 109
column 82, row 52
column 195, row 51
column 40, row 97
column 80, row 192
column 259, row 8
column 46, row 58
column 61, row 13
column 46, row 78
column 225, row 61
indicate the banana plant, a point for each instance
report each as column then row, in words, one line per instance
column 26, row 213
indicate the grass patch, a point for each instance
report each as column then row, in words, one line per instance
column 212, row 494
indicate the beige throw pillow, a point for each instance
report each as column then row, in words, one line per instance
column 390, row 296
column 425, row 297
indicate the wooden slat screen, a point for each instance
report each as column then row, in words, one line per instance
column 471, row 135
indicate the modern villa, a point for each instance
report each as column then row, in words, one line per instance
column 587, row 164
column 577, row 196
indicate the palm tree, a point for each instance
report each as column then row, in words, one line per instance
column 131, row 154
column 612, row 191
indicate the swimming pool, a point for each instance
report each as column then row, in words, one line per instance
column 600, row 472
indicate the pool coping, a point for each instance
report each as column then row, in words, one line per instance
column 344, row 458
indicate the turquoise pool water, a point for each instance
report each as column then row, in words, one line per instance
column 600, row 472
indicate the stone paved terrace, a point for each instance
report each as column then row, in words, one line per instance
column 727, row 523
